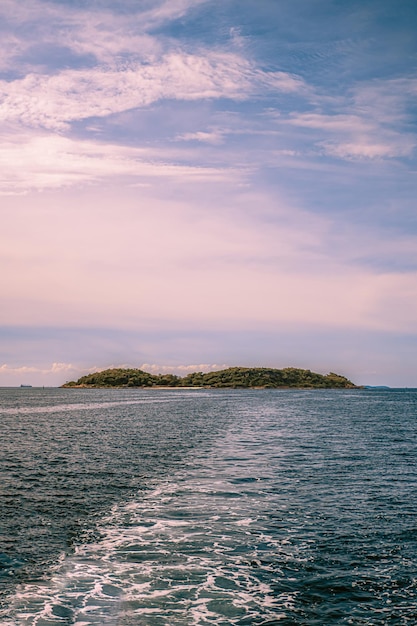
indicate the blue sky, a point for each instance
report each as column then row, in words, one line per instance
column 192, row 184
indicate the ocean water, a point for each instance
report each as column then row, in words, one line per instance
column 208, row 507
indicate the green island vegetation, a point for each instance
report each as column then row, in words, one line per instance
column 233, row 377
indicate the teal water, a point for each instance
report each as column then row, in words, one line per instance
column 197, row 507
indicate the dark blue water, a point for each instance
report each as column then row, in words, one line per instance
column 198, row 507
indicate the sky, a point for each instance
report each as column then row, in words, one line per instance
column 188, row 185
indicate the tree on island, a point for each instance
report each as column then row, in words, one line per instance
column 232, row 377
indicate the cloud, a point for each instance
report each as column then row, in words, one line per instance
column 58, row 373
column 370, row 122
column 356, row 137
column 385, row 101
column 338, row 122
column 25, row 369
column 168, row 10
column 30, row 161
column 53, row 102
column 53, row 374
column 38, row 375
column 181, row 370
column 370, row 149
column 102, row 31
column 214, row 137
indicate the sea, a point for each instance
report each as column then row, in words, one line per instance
column 197, row 507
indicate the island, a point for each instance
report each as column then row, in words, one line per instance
column 232, row 377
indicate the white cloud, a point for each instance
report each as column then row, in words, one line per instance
column 385, row 101
column 54, row 101
column 98, row 31
column 29, row 161
column 58, row 373
column 214, row 137
column 181, row 370
column 29, row 369
column 54, row 374
column 168, row 10
column 337, row 122
column 368, row 149
column 370, row 122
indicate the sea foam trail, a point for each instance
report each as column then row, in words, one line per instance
column 192, row 551
column 60, row 408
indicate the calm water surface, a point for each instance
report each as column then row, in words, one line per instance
column 198, row 507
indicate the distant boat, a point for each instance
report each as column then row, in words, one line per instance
column 26, row 386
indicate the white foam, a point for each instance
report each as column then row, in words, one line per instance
column 247, row 521
column 81, row 406
column 188, row 550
